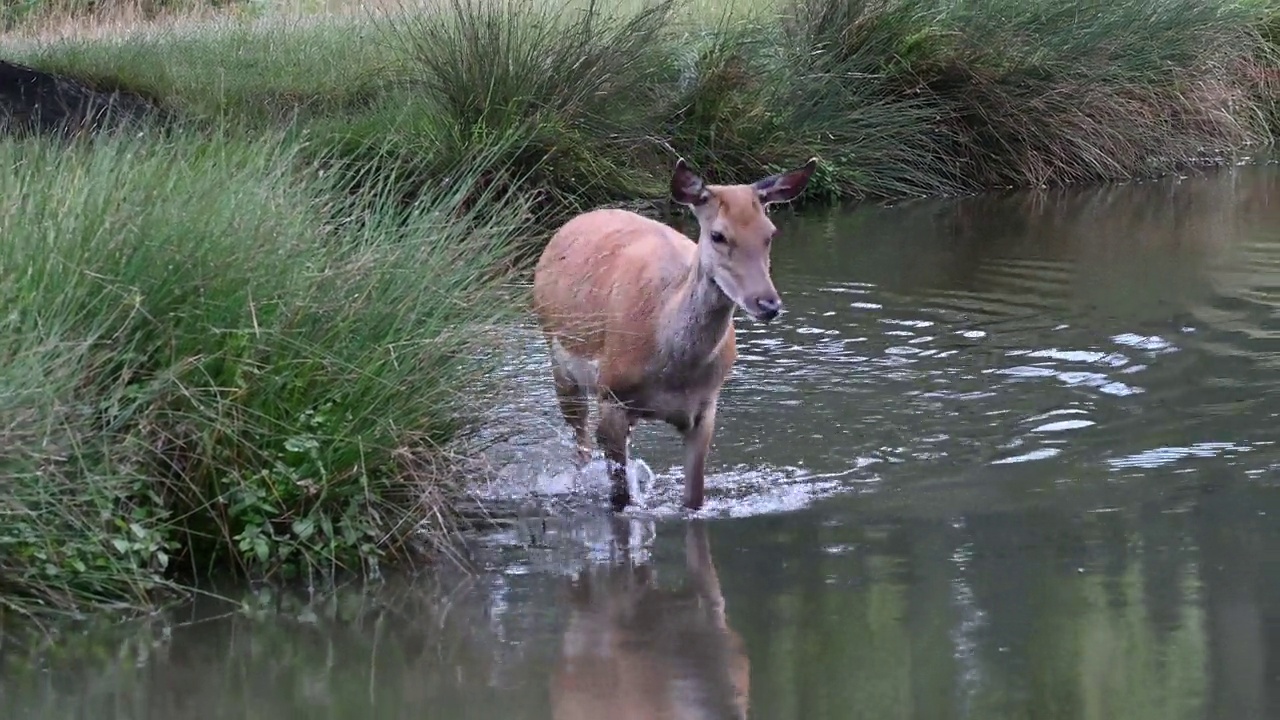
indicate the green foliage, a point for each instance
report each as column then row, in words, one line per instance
column 568, row 83
column 208, row 363
column 255, row 74
column 898, row 98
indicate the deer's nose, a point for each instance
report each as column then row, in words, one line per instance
column 768, row 307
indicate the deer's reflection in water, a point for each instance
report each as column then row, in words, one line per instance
column 636, row 650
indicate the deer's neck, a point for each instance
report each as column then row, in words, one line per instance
column 694, row 324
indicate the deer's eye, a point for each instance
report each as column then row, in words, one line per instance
column 718, row 238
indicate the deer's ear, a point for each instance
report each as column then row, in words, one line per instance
column 686, row 187
column 786, row 186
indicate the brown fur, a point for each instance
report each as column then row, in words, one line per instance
column 633, row 651
column 641, row 316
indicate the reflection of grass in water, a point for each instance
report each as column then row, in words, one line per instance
column 881, row 640
column 408, row 645
column 1094, row 655
column 1130, row 671
column 882, row 648
column 834, row 653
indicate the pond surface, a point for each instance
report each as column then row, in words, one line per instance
column 1004, row 457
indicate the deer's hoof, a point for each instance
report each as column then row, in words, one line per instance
column 619, row 501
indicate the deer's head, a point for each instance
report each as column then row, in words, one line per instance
column 736, row 233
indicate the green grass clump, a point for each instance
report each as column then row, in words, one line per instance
column 571, row 83
column 207, row 364
column 1128, row 88
column 925, row 97
column 898, row 98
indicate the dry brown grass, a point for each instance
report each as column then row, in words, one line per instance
column 64, row 20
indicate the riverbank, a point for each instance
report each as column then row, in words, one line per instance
column 901, row 98
column 234, row 346
column 212, row 367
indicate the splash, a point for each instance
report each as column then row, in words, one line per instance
column 739, row 491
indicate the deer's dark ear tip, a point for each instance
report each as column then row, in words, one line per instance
column 681, row 164
column 813, row 163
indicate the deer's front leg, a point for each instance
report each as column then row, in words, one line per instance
column 697, row 443
column 613, row 434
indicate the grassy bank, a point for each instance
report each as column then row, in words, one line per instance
column 899, row 98
column 223, row 352
column 208, row 367
column 24, row 14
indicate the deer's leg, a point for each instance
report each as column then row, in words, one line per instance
column 614, row 433
column 702, row 569
column 697, row 443
column 574, row 405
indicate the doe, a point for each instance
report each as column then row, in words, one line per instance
column 639, row 315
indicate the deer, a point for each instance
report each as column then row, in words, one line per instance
column 641, row 316
column 633, row 650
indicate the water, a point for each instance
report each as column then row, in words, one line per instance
column 1005, row 457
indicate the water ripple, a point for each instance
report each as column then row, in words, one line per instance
column 1062, row 354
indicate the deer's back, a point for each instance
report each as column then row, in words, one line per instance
column 608, row 272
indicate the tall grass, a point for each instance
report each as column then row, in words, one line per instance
column 205, row 365
column 571, row 82
column 21, row 13
column 257, row 74
column 898, row 98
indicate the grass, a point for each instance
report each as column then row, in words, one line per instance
column 207, row 366
column 227, row 353
column 898, row 98
column 20, row 14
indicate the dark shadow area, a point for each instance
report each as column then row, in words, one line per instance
column 33, row 101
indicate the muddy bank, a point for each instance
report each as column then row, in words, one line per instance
column 35, row 101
